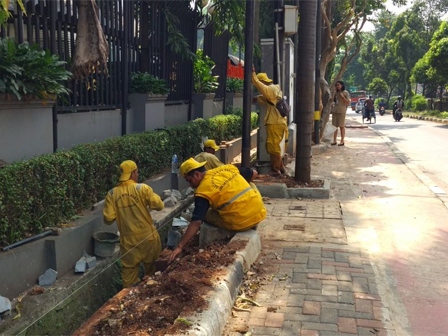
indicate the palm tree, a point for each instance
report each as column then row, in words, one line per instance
column 305, row 88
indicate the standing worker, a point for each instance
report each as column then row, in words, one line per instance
column 129, row 203
column 276, row 125
column 223, row 198
column 208, row 155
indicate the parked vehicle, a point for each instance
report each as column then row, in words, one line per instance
column 382, row 110
column 398, row 114
column 359, row 108
column 355, row 96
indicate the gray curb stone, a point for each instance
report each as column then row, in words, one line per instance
column 279, row 190
column 212, row 320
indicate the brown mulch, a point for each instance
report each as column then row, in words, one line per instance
column 154, row 306
column 289, row 181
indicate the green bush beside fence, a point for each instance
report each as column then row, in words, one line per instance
column 50, row 189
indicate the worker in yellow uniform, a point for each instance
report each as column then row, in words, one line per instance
column 208, row 155
column 222, row 198
column 128, row 204
column 276, row 125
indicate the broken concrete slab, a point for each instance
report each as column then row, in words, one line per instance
column 91, row 262
column 170, row 201
column 5, row 306
column 81, row 265
column 176, row 194
column 166, row 194
column 48, row 278
column 187, row 192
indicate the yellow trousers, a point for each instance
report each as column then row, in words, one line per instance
column 213, row 217
column 274, row 134
column 145, row 252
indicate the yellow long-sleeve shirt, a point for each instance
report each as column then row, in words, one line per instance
column 271, row 93
column 211, row 159
column 128, row 204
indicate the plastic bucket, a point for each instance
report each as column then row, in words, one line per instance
column 104, row 243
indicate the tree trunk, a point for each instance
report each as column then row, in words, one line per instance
column 92, row 49
column 305, row 88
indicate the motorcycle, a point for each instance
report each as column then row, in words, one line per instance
column 398, row 114
column 382, row 110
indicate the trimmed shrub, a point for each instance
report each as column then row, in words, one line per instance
column 419, row 103
column 52, row 188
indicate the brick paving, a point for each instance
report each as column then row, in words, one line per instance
column 318, row 291
column 319, row 284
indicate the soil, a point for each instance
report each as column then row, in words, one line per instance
column 289, row 181
column 160, row 304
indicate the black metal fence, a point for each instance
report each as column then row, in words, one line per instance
column 217, row 48
column 52, row 24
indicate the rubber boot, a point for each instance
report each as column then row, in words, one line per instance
column 275, row 164
column 282, row 166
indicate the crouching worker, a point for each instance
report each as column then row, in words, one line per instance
column 249, row 174
column 129, row 203
column 208, row 155
column 223, row 198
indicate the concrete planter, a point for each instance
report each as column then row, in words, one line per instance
column 202, row 105
column 26, row 128
column 280, row 190
column 149, row 111
column 238, row 100
column 233, row 148
column 234, row 99
column 229, row 98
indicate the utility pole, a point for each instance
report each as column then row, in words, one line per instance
column 279, row 42
column 247, row 98
column 317, row 86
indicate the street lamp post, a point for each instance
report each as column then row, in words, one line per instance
column 247, row 98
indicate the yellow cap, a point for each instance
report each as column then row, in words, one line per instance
column 211, row 144
column 126, row 169
column 189, row 165
column 264, row 77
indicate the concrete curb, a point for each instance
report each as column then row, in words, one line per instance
column 212, row 320
column 433, row 119
column 280, row 190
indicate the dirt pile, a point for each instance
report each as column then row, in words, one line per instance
column 159, row 305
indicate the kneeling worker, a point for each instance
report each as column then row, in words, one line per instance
column 222, row 198
column 208, row 155
column 128, row 204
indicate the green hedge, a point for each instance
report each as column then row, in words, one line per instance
column 50, row 189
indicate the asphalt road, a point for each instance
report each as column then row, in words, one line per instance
column 423, row 142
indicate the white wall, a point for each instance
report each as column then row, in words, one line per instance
column 26, row 130
column 176, row 114
column 85, row 127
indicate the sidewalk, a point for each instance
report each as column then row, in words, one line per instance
column 365, row 262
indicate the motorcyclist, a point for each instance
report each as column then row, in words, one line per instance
column 382, row 103
column 398, row 104
column 369, row 110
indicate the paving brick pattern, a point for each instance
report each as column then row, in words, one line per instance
column 328, row 296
